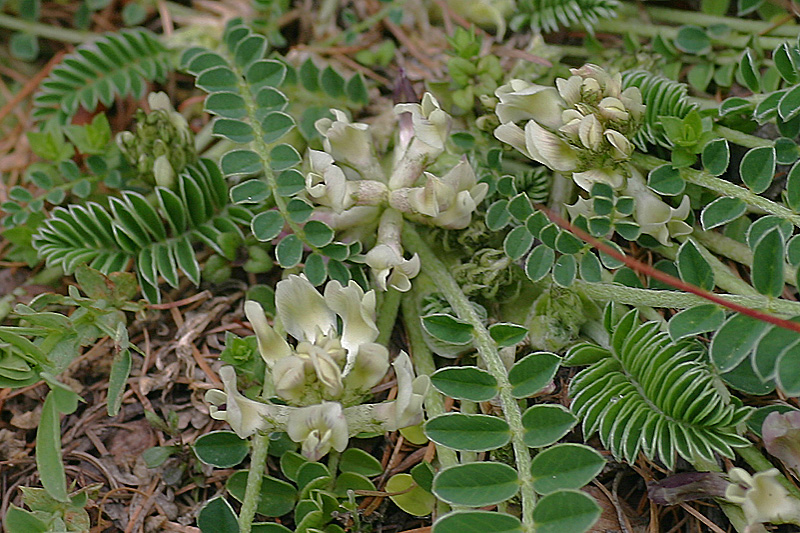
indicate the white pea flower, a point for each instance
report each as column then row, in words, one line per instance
column 763, row 498
column 431, row 123
column 521, row 100
column 303, row 310
column 614, row 177
column 327, row 184
column 406, row 410
column 271, row 346
column 319, row 428
column 357, row 310
column 391, row 269
column 371, row 364
column 654, row 216
column 244, row 415
column 347, row 142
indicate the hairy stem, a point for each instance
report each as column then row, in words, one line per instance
column 39, row 29
column 487, row 350
column 387, row 315
column 679, row 300
column 725, row 188
column 258, row 463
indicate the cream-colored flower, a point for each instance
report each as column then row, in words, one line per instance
column 431, row 123
column 319, row 428
column 302, row 310
column 348, row 142
column 406, row 410
column 271, row 346
column 762, row 497
column 521, row 100
column 549, row 149
column 327, row 184
column 357, row 311
column 611, row 176
column 391, row 269
column 654, row 216
column 371, row 364
column 244, row 415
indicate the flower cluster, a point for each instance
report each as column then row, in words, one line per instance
column 324, row 377
column 356, row 194
column 162, row 143
column 583, row 128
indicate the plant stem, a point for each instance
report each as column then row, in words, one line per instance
column 725, row 188
column 258, row 463
column 742, row 139
column 640, row 27
column 39, row 29
column 437, row 270
column 676, row 299
column 387, row 315
column 680, row 16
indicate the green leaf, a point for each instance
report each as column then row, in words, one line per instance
column 465, row 383
column 318, row 233
column 252, row 191
column 120, row 370
column 744, row 7
column 517, row 242
column 546, row 423
column 276, row 499
column 447, row 328
column 767, row 271
column 758, row 168
column 716, row 156
column 590, row 268
column 789, row 104
column 507, row 334
column 332, row 82
column 563, row 511
column 786, row 374
column 315, row 269
column 497, row 216
column 275, row 126
column 359, row 462
column 693, row 267
column 267, row 225
column 283, row 156
column 290, row 182
column 155, row 456
column 289, row 251
column 222, row 449
column 240, row 163
column 24, row 46
column 416, row 501
column 721, row 211
column 666, row 180
column 476, row 484
column 309, row 75
column 786, row 151
column 564, row 270
column 423, row 474
column 477, row 522
column 695, row 320
column 48, row 450
column 18, row 520
column 748, row 71
column 700, row 75
column 217, row 516
column 735, row 340
column 692, row 40
column 475, row 433
column 532, row 373
column 539, row 263
column 565, row 466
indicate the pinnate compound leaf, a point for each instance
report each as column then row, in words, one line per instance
column 757, row 168
column 545, row 424
column 735, row 340
column 767, row 271
column 277, row 497
column 721, row 211
column 447, row 328
column 695, row 320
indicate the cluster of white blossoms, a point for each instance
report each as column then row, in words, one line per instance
column 583, row 128
column 323, row 378
column 355, row 192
